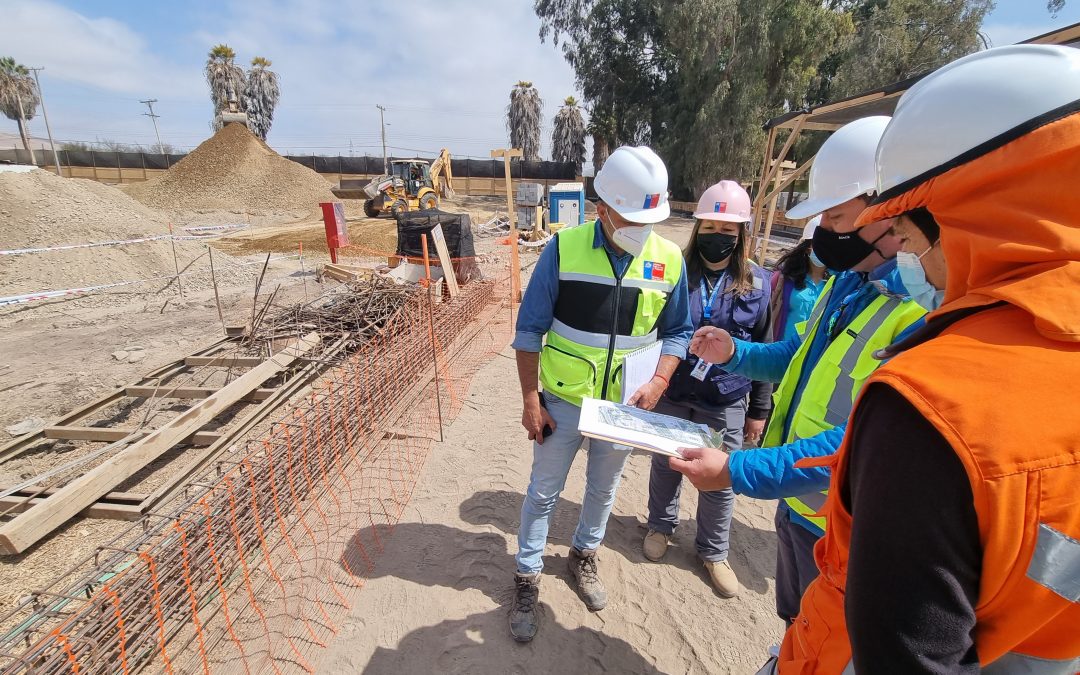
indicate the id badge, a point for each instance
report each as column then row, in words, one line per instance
column 701, row 370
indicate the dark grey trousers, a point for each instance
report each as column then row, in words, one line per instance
column 795, row 566
column 714, row 509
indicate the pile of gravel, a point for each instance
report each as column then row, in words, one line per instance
column 39, row 209
column 235, row 170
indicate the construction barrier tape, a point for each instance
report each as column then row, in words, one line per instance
column 86, row 290
column 123, row 242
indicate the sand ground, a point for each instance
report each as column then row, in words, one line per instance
column 439, row 599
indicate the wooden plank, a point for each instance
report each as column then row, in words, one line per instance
column 224, row 361
column 42, row 518
column 109, row 510
column 445, row 261
column 298, row 385
column 112, row 434
column 165, row 391
column 19, row 445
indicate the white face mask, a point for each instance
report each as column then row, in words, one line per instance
column 632, row 239
column 914, row 277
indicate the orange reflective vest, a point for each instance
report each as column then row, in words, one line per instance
column 1023, row 461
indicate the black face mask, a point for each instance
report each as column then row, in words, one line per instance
column 716, row 247
column 841, row 252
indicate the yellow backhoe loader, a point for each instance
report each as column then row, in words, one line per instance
column 411, row 185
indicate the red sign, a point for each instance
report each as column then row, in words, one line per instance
column 337, row 233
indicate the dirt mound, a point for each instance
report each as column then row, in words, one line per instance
column 39, row 209
column 235, row 170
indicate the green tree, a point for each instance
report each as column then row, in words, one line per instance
column 602, row 129
column 694, row 78
column 261, row 94
column 898, row 39
column 568, row 135
column 523, row 120
column 226, row 80
column 18, row 97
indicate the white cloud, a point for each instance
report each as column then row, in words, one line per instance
column 444, row 70
column 100, row 53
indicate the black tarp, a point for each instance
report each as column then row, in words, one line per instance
column 412, row 226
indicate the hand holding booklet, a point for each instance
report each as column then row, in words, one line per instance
column 643, row 429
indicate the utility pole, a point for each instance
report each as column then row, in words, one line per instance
column 45, row 114
column 382, row 123
column 153, row 118
column 24, row 129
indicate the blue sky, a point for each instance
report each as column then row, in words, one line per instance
column 443, row 69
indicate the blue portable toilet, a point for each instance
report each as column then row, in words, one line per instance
column 566, row 203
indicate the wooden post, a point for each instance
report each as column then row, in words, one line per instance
column 756, row 211
column 515, row 265
column 769, row 218
column 427, row 260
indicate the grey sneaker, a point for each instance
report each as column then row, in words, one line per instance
column 524, row 620
column 589, row 586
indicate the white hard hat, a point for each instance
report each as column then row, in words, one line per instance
column 634, row 182
column 811, row 225
column 844, row 167
column 993, row 95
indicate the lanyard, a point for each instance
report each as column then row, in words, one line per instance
column 706, row 304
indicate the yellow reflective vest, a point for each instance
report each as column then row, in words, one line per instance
column 599, row 317
column 836, row 379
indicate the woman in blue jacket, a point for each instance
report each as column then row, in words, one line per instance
column 729, row 291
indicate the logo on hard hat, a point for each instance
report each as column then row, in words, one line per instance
column 651, row 201
column 720, row 207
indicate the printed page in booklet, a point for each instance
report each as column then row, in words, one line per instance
column 639, row 366
column 643, row 429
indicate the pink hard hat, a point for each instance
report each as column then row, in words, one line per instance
column 727, row 200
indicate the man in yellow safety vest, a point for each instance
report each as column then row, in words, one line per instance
column 601, row 290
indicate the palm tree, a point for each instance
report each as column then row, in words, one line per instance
column 18, row 97
column 568, row 135
column 523, row 120
column 602, row 129
column 261, row 96
column 226, row 80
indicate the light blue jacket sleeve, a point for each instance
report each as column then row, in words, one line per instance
column 770, row 473
column 763, row 361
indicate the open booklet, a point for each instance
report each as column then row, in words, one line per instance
column 643, row 429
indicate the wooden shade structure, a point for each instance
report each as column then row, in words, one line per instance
column 830, row 117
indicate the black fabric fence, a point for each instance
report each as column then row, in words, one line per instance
column 462, row 168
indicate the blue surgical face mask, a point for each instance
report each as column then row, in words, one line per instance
column 914, row 277
column 815, row 260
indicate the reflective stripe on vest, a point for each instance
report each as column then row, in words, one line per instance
column 662, row 286
column 819, row 308
column 843, row 394
column 601, row 340
column 599, row 318
column 1015, row 663
column 1055, row 563
column 888, row 316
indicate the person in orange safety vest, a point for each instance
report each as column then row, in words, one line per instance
column 985, row 154
column 953, row 540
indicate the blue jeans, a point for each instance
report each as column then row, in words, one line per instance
column 551, row 464
column 714, row 509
